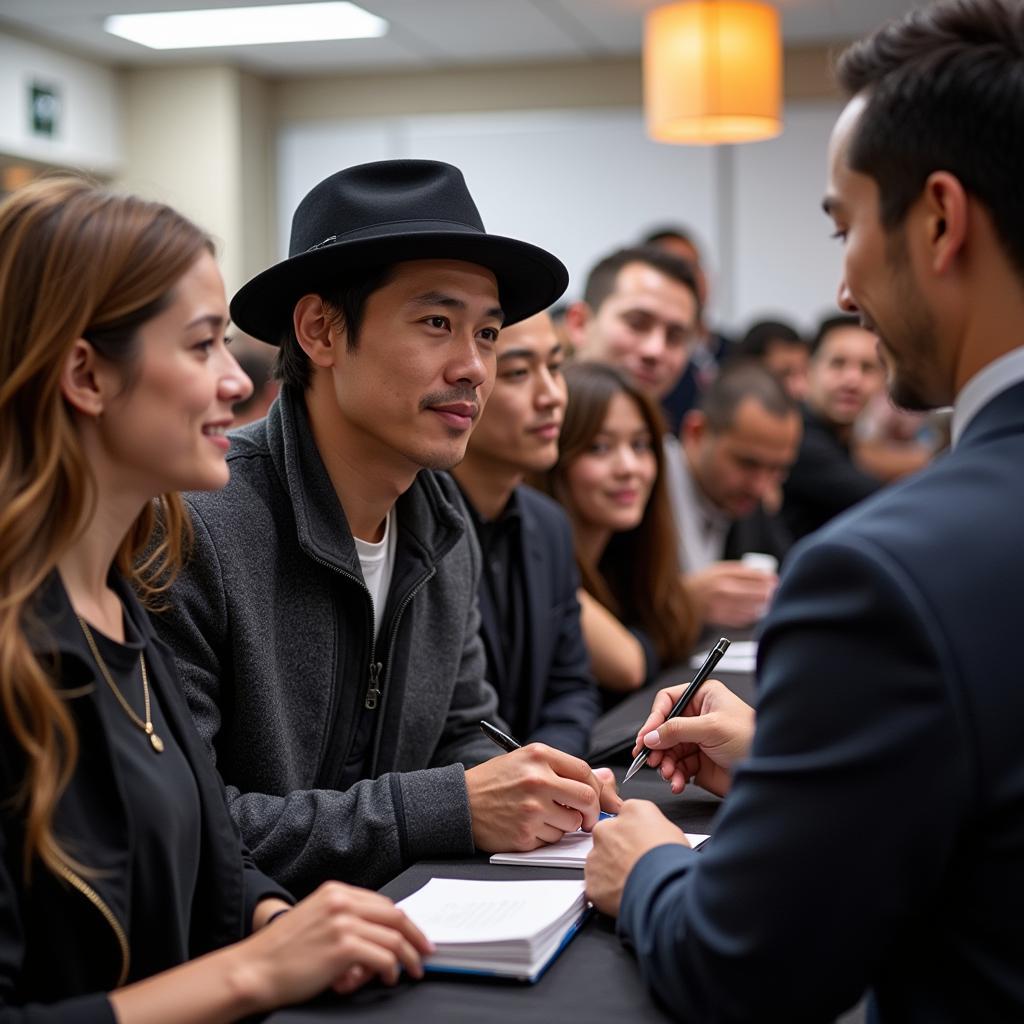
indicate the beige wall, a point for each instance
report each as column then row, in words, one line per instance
column 595, row 83
column 200, row 139
column 257, row 183
column 204, row 138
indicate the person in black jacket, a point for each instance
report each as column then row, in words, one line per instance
column 530, row 616
column 119, row 860
column 845, row 373
column 348, row 734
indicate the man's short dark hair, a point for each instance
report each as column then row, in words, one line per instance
column 665, row 232
column 347, row 300
column 601, row 279
column 945, row 92
column 737, row 382
column 828, row 325
column 761, row 335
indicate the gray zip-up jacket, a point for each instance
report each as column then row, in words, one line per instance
column 272, row 628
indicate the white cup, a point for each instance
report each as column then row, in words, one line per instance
column 761, row 561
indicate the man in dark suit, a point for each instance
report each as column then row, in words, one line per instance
column 873, row 836
column 735, row 451
column 530, row 617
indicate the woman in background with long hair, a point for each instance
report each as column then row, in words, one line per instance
column 119, row 861
column 635, row 613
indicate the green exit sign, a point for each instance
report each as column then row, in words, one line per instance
column 44, row 110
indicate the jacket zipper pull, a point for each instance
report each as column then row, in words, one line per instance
column 373, row 692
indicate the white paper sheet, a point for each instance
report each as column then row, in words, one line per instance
column 740, row 657
column 468, row 910
column 569, row 852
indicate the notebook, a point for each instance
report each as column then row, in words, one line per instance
column 569, row 852
column 509, row 929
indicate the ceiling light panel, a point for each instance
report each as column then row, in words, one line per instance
column 246, row 26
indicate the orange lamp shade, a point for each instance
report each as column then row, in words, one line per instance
column 713, row 72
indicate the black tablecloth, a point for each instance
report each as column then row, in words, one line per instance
column 593, row 980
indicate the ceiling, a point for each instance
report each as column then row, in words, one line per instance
column 425, row 35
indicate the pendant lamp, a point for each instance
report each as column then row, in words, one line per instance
column 713, row 72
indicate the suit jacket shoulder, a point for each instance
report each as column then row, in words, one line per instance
column 883, row 789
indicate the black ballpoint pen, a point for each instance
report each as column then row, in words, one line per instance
column 493, row 733
column 713, row 658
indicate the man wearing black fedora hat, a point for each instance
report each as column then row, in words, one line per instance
column 326, row 627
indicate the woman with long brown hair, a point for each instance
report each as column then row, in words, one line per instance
column 635, row 613
column 119, row 861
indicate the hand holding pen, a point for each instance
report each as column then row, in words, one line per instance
column 704, row 744
column 604, row 777
column 677, row 709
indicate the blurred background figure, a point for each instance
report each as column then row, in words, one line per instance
column 709, row 347
column 636, row 614
column 725, row 490
column 845, row 374
column 781, row 349
column 258, row 363
column 640, row 312
column 891, row 443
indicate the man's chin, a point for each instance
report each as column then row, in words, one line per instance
column 741, row 510
column 652, row 385
column 540, row 462
column 444, row 459
column 844, row 416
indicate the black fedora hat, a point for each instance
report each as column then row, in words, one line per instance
column 384, row 212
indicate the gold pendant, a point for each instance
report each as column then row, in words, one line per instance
column 158, row 744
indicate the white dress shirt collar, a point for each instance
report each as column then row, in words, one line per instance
column 701, row 527
column 988, row 382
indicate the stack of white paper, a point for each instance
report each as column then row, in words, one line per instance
column 507, row 928
column 569, row 852
column 740, row 657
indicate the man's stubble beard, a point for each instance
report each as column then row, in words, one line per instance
column 908, row 378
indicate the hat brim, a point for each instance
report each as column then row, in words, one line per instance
column 529, row 278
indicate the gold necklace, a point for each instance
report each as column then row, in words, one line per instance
column 147, row 725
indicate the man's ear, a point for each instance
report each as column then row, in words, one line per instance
column 577, row 317
column 82, row 382
column 694, row 428
column 945, row 219
column 317, row 331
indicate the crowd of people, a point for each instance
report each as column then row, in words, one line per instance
column 242, row 674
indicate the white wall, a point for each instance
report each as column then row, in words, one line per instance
column 582, row 182
column 784, row 260
column 579, row 183
column 89, row 135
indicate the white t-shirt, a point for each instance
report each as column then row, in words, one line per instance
column 378, row 563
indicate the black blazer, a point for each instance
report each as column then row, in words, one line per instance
column 875, row 837
column 562, row 703
column 760, row 531
column 56, row 944
column 823, row 481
